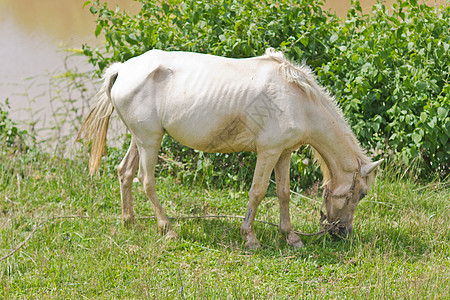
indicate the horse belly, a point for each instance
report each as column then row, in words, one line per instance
column 221, row 134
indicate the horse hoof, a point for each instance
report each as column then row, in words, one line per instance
column 253, row 245
column 298, row 244
column 171, row 236
column 294, row 240
column 128, row 221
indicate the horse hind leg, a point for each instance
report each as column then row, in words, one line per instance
column 149, row 156
column 282, row 169
column 127, row 171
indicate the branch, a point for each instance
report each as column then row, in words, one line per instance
column 36, row 227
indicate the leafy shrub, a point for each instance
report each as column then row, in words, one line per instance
column 389, row 70
column 230, row 28
column 11, row 137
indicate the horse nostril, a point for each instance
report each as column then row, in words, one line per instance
column 344, row 232
column 362, row 195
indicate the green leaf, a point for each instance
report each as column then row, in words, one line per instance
column 165, row 8
column 247, row 50
column 86, row 3
column 93, row 10
column 423, row 117
column 132, row 39
column 421, row 86
column 237, row 25
column 446, row 129
column 443, row 138
column 404, row 69
column 298, row 51
column 366, row 67
column 417, row 136
column 334, row 38
column 442, row 112
column 376, row 126
column 98, row 29
column 304, row 40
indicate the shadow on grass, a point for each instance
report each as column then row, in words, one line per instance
column 224, row 235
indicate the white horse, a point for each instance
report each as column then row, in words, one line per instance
column 263, row 104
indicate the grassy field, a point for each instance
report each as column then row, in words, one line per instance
column 399, row 249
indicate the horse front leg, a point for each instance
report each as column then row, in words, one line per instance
column 264, row 166
column 282, row 170
column 127, row 171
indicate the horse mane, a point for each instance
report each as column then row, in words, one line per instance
column 305, row 79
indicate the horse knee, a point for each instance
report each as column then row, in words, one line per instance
column 257, row 192
column 283, row 193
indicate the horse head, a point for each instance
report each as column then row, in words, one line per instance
column 341, row 207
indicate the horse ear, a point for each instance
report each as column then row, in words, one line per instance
column 369, row 168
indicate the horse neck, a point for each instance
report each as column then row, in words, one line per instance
column 339, row 151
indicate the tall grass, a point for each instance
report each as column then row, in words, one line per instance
column 399, row 248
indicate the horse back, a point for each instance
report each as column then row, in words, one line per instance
column 209, row 103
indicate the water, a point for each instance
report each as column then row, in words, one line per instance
column 34, row 33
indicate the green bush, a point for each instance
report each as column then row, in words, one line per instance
column 388, row 70
column 12, row 138
column 233, row 28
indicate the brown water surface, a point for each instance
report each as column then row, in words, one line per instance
column 33, row 34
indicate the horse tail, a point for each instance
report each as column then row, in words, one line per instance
column 95, row 127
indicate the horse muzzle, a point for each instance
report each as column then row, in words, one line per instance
column 342, row 232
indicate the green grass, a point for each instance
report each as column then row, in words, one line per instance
column 399, row 249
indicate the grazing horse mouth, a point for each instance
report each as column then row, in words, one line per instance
column 336, row 229
column 343, row 232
